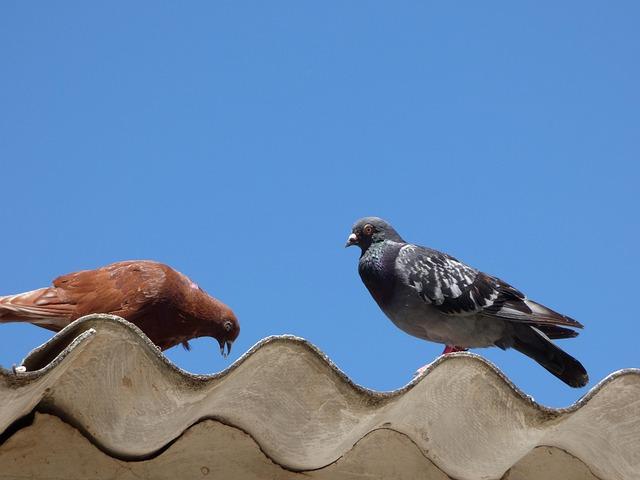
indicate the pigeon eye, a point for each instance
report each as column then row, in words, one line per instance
column 228, row 326
column 368, row 229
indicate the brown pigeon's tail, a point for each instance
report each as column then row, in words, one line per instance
column 536, row 345
column 42, row 307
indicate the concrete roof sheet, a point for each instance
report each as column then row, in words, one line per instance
column 100, row 401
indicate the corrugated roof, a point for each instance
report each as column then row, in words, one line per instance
column 108, row 403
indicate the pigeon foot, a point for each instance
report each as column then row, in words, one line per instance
column 447, row 349
column 453, row 348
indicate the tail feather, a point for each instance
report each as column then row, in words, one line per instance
column 528, row 311
column 42, row 307
column 545, row 314
column 554, row 331
column 536, row 345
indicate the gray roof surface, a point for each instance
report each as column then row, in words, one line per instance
column 100, row 401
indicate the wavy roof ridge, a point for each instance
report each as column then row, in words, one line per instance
column 309, row 418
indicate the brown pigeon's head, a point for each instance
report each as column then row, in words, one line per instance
column 228, row 329
column 214, row 319
column 370, row 230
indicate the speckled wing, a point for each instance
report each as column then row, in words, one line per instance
column 457, row 289
column 444, row 282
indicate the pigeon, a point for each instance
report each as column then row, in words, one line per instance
column 436, row 297
column 166, row 305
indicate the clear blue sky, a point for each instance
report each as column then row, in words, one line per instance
column 239, row 141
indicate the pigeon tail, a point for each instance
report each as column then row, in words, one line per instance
column 536, row 345
column 555, row 331
column 42, row 307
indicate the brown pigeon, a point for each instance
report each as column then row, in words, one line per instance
column 166, row 305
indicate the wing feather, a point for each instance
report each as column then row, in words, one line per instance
column 34, row 305
column 126, row 288
column 458, row 289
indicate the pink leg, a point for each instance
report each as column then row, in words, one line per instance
column 453, row 348
column 447, row 349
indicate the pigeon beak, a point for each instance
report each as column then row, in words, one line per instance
column 352, row 240
column 227, row 344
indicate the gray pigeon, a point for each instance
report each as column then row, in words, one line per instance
column 433, row 296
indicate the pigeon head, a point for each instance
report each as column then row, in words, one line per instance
column 214, row 319
column 228, row 330
column 370, row 230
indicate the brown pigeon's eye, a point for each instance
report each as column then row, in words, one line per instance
column 228, row 326
column 368, row 229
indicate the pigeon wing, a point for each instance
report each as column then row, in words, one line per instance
column 458, row 289
column 126, row 289
column 444, row 282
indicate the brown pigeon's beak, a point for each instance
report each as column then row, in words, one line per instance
column 226, row 343
column 352, row 240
